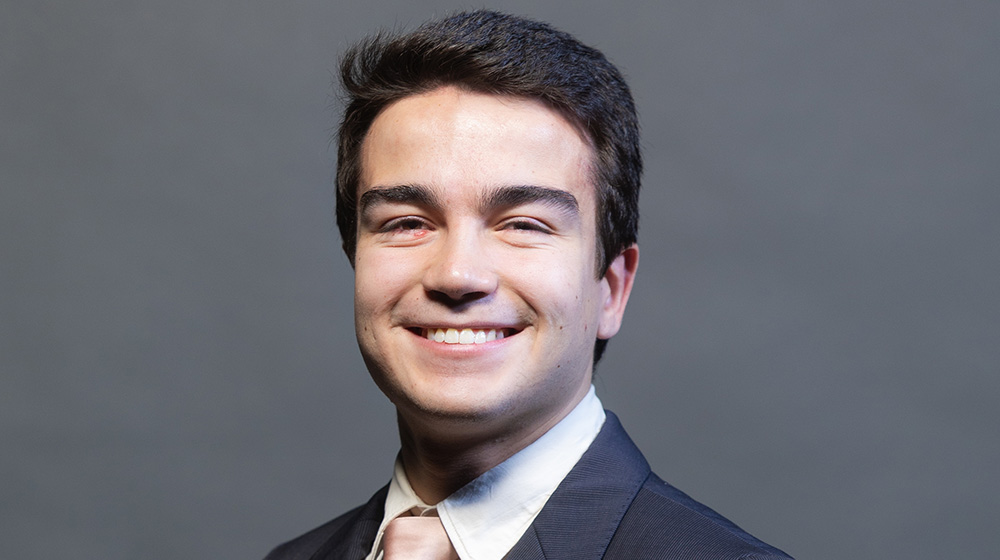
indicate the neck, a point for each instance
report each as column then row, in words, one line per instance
column 441, row 459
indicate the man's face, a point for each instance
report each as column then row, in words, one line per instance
column 475, row 292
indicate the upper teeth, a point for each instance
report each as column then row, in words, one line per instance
column 464, row 336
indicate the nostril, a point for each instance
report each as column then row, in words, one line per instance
column 455, row 300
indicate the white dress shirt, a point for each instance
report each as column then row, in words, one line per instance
column 485, row 518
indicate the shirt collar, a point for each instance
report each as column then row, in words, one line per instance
column 486, row 517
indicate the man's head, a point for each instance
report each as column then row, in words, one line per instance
column 486, row 195
column 489, row 52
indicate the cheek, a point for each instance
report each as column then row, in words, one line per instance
column 380, row 278
column 563, row 289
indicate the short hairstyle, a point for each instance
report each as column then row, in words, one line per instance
column 495, row 53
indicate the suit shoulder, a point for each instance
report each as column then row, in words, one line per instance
column 663, row 522
column 304, row 546
column 348, row 536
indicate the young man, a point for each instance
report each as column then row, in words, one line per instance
column 488, row 178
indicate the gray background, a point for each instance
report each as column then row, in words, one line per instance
column 813, row 344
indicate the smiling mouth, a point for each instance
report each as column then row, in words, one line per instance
column 462, row 336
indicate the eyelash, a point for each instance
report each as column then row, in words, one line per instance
column 525, row 224
column 403, row 223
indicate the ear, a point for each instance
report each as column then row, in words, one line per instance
column 616, row 287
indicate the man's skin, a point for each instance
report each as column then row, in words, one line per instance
column 478, row 212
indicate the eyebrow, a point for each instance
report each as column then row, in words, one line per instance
column 517, row 195
column 495, row 199
column 399, row 194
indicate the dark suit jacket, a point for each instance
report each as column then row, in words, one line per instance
column 609, row 506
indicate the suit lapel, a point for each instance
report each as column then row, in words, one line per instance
column 353, row 540
column 580, row 518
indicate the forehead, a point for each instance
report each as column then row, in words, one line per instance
column 451, row 138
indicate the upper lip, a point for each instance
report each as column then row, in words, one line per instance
column 454, row 323
column 501, row 319
column 460, row 323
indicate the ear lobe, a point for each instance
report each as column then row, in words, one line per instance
column 617, row 284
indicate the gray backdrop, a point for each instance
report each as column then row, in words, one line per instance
column 813, row 345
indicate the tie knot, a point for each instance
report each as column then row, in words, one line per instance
column 417, row 538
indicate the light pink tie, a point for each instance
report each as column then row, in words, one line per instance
column 417, row 538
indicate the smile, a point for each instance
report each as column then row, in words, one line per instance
column 464, row 336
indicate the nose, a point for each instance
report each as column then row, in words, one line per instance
column 461, row 271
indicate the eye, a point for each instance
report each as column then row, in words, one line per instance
column 406, row 228
column 525, row 224
column 407, row 223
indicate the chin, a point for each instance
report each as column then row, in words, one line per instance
column 469, row 403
